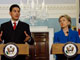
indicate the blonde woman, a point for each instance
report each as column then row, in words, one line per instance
column 66, row 34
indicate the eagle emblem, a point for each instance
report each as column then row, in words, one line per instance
column 69, row 49
column 10, row 50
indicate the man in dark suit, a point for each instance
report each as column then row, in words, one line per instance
column 15, row 31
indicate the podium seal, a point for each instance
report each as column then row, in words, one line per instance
column 10, row 50
column 70, row 49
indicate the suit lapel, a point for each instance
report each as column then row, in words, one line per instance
column 10, row 25
column 62, row 34
column 70, row 34
column 63, row 37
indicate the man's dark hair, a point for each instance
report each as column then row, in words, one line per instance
column 12, row 6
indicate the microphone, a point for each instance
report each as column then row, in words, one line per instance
column 67, row 32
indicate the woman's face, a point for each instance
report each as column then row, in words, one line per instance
column 64, row 22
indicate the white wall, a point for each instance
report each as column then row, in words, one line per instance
column 53, row 10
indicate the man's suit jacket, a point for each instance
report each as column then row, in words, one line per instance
column 17, row 35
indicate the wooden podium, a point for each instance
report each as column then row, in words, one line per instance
column 23, row 49
column 57, row 48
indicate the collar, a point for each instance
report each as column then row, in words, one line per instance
column 70, row 31
column 14, row 21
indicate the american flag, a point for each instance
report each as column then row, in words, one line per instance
column 79, row 27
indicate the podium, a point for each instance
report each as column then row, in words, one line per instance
column 58, row 48
column 23, row 49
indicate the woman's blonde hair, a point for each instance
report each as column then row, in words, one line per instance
column 68, row 18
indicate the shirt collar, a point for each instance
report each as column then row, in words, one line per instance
column 14, row 21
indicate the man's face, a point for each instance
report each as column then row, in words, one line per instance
column 15, row 13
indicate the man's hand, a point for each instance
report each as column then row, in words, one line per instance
column 27, row 36
column 1, row 36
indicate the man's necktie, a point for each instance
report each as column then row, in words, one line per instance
column 14, row 27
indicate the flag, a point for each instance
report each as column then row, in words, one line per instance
column 79, row 27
